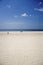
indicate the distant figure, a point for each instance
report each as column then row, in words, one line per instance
column 21, row 31
column 7, row 32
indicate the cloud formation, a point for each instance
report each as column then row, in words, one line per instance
column 39, row 9
column 40, row 3
column 24, row 14
column 16, row 16
column 8, row 6
column 30, row 15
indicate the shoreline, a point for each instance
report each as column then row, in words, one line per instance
column 19, row 32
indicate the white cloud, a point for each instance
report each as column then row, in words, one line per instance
column 39, row 9
column 30, row 15
column 24, row 14
column 40, row 3
column 8, row 6
column 15, row 16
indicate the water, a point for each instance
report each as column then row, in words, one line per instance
column 21, row 30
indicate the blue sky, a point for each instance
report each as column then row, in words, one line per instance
column 21, row 14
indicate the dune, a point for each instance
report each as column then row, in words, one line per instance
column 21, row 48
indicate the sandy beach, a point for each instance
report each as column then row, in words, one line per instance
column 21, row 48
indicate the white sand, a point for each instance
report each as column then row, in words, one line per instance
column 21, row 48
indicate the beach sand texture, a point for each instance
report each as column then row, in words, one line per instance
column 21, row 48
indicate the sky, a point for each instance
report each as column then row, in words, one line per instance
column 21, row 14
